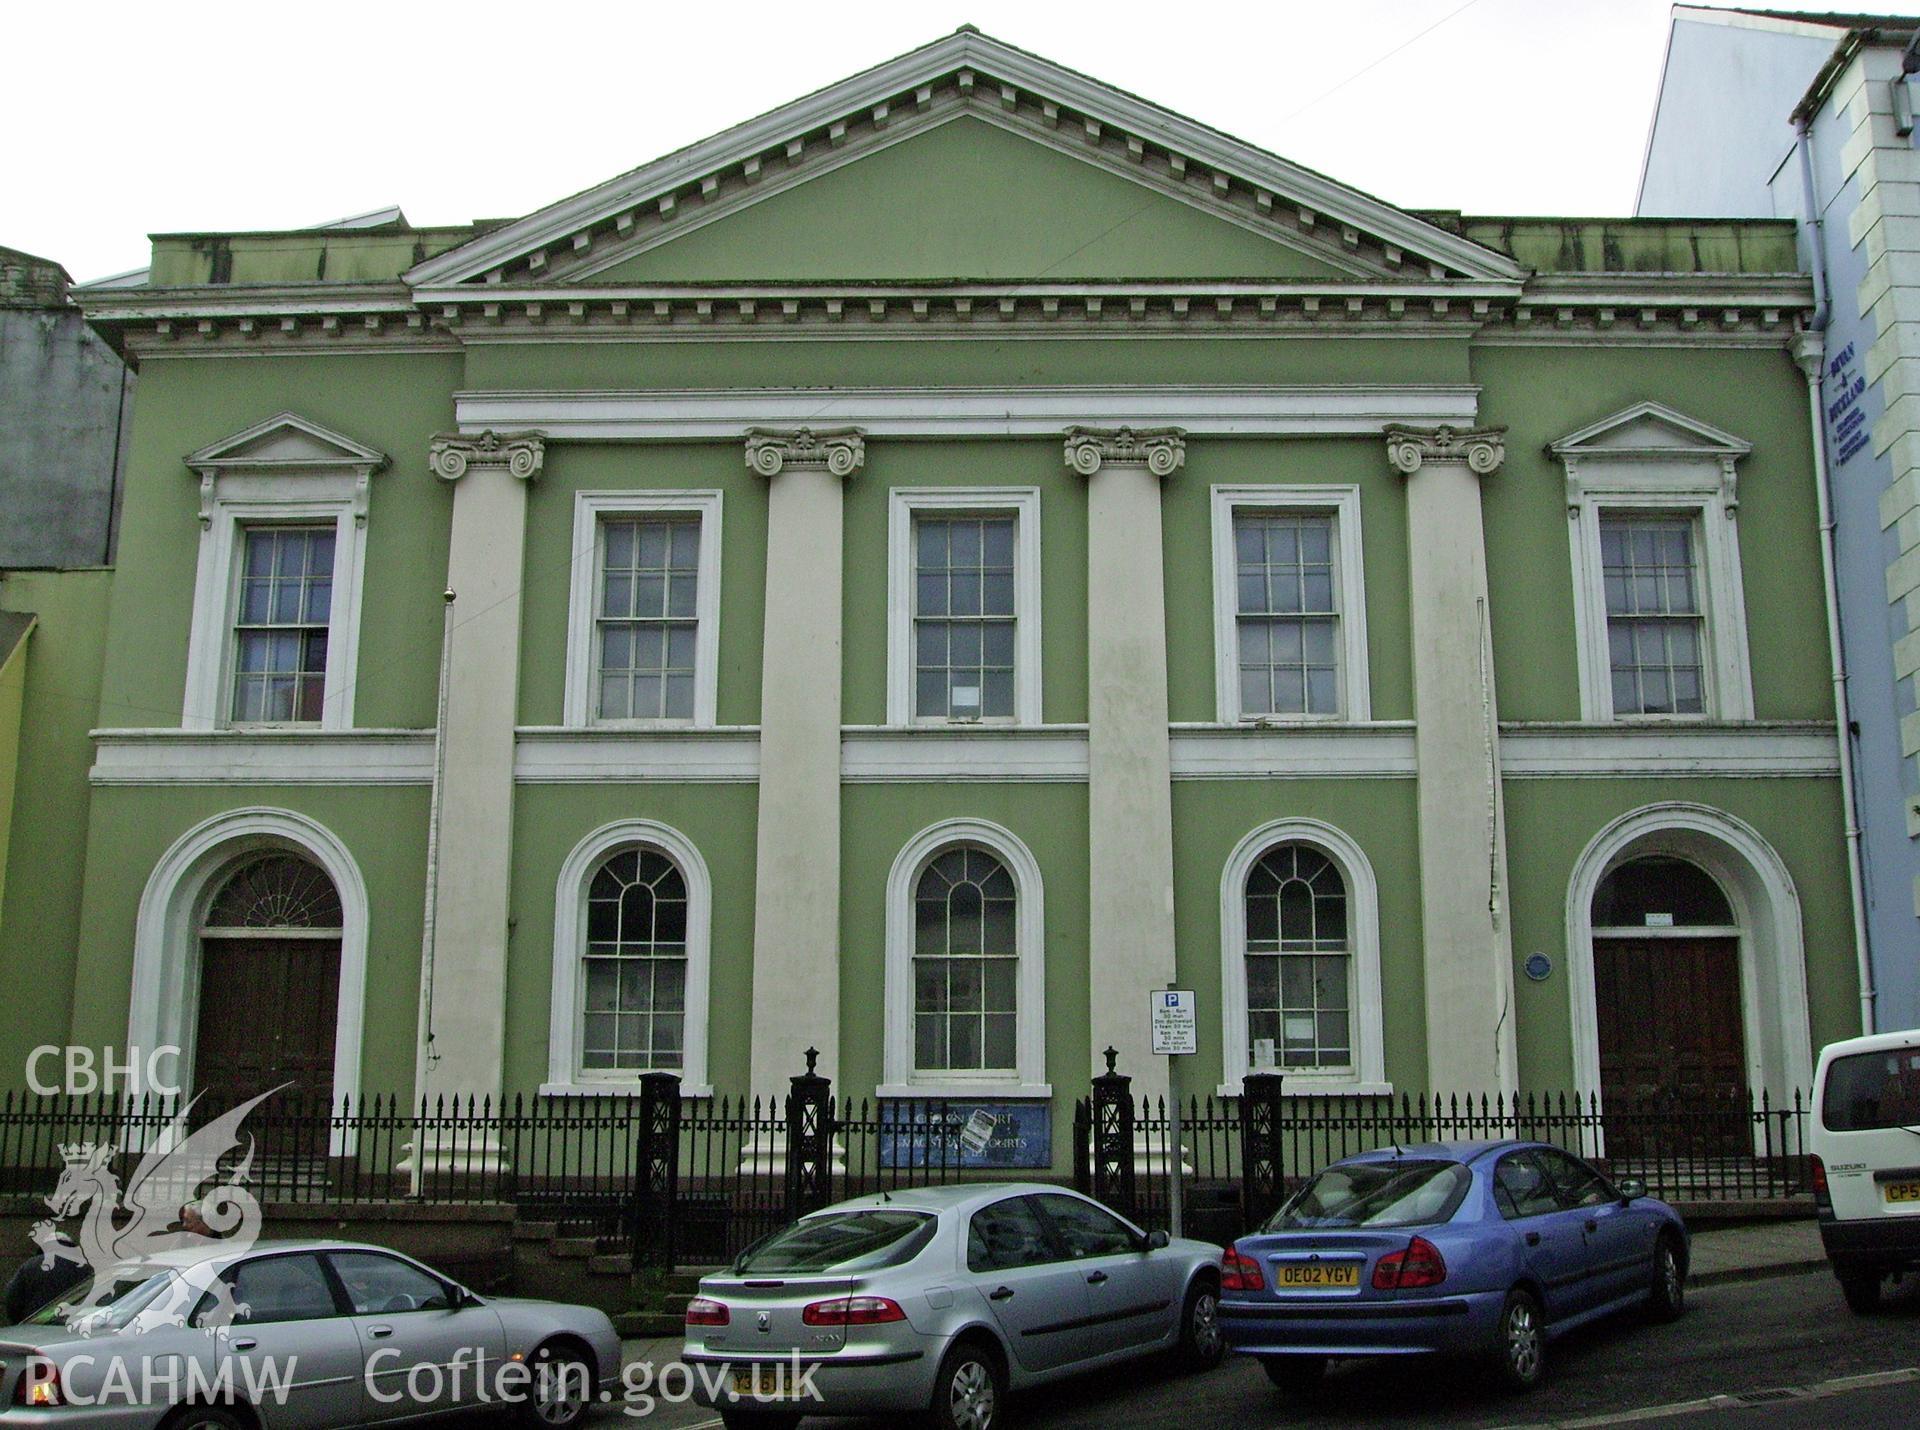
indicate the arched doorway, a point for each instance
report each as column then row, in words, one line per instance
column 1667, row 1000
column 270, row 994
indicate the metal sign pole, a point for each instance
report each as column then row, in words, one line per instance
column 1175, row 1192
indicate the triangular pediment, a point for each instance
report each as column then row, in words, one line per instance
column 286, row 442
column 1649, row 429
column 961, row 160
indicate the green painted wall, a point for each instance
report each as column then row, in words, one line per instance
column 40, row 916
column 938, row 205
column 394, row 404
column 1063, row 562
column 876, row 822
column 1543, row 394
column 572, row 468
column 383, row 828
column 13, row 694
column 1549, row 823
column 1187, row 524
column 549, row 820
column 1210, row 817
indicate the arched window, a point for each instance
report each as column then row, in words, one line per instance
column 1299, row 965
column 636, row 957
column 965, row 961
column 630, row 954
column 1300, row 960
column 966, row 985
column 1659, row 891
column 276, row 891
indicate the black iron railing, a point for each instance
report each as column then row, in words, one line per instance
column 692, row 1181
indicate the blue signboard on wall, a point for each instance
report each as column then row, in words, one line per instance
column 967, row 1135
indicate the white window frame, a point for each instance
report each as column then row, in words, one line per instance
column 1655, row 460
column 1368, row 1072
column 565, row 1076
column 1343, row 504
column 285, row 471
column 580, row 709
column 1023, row 504
column 1030, row 1031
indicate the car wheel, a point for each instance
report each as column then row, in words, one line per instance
column 970, row 1392
column 203, row 1417
column 1862, row 1290
column 1297, row 1375
column 1520, row 1349
column 1668, row 1300
column 1201, row 1344
column 561, row 1390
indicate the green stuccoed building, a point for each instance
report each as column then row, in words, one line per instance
column 921, row 571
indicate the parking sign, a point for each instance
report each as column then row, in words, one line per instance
column 1173, row 1021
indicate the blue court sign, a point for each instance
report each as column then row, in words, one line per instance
column 968, row 1135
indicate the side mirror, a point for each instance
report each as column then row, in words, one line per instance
column 1156, row 1240
column 1632, row 1187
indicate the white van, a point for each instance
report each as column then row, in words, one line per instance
column 1866, row 1160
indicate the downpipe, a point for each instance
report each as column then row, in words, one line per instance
column 1810, row 352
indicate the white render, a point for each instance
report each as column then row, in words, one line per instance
column 1463, row 858
column 1129, row 758
column 464, row 987
column 796, row 910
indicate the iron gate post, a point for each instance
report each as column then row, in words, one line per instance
column 656, row 1181
column 1262, row 1166
column 1113, row 1181
column 809, row 1141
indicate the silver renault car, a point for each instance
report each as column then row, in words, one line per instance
column 297, row 1335
column 939, row 1301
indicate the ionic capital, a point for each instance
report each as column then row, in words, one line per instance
column 519, row 454
column 1161, row 450
column 1481, row 448
column 841, row 451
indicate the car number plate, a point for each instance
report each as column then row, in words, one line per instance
column 1900, row 1191
column 767, row 1382
column 1315, row 1276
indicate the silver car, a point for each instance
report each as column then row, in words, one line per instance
column 298, row 1335
column 939, row 1301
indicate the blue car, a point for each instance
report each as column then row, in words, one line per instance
column 1484, row 1249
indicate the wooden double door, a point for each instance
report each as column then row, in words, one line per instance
column 1673, row 1072
column 268, row 1009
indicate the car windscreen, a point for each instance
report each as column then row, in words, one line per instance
column 1867, row 1091
column 131, row 1291
column 1376, row 1194
column 840, row 1242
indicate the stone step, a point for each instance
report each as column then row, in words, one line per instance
column 609, row 1264
column 574, row 1248
column 534, row 1230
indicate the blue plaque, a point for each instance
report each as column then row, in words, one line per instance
column 966, row 1135
column 1538, row 966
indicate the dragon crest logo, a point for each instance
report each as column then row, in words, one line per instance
column 121, row 1234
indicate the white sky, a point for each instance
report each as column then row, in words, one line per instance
column 125, row 120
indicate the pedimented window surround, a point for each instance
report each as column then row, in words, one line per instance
column 284, row 471
column 1651, row 459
